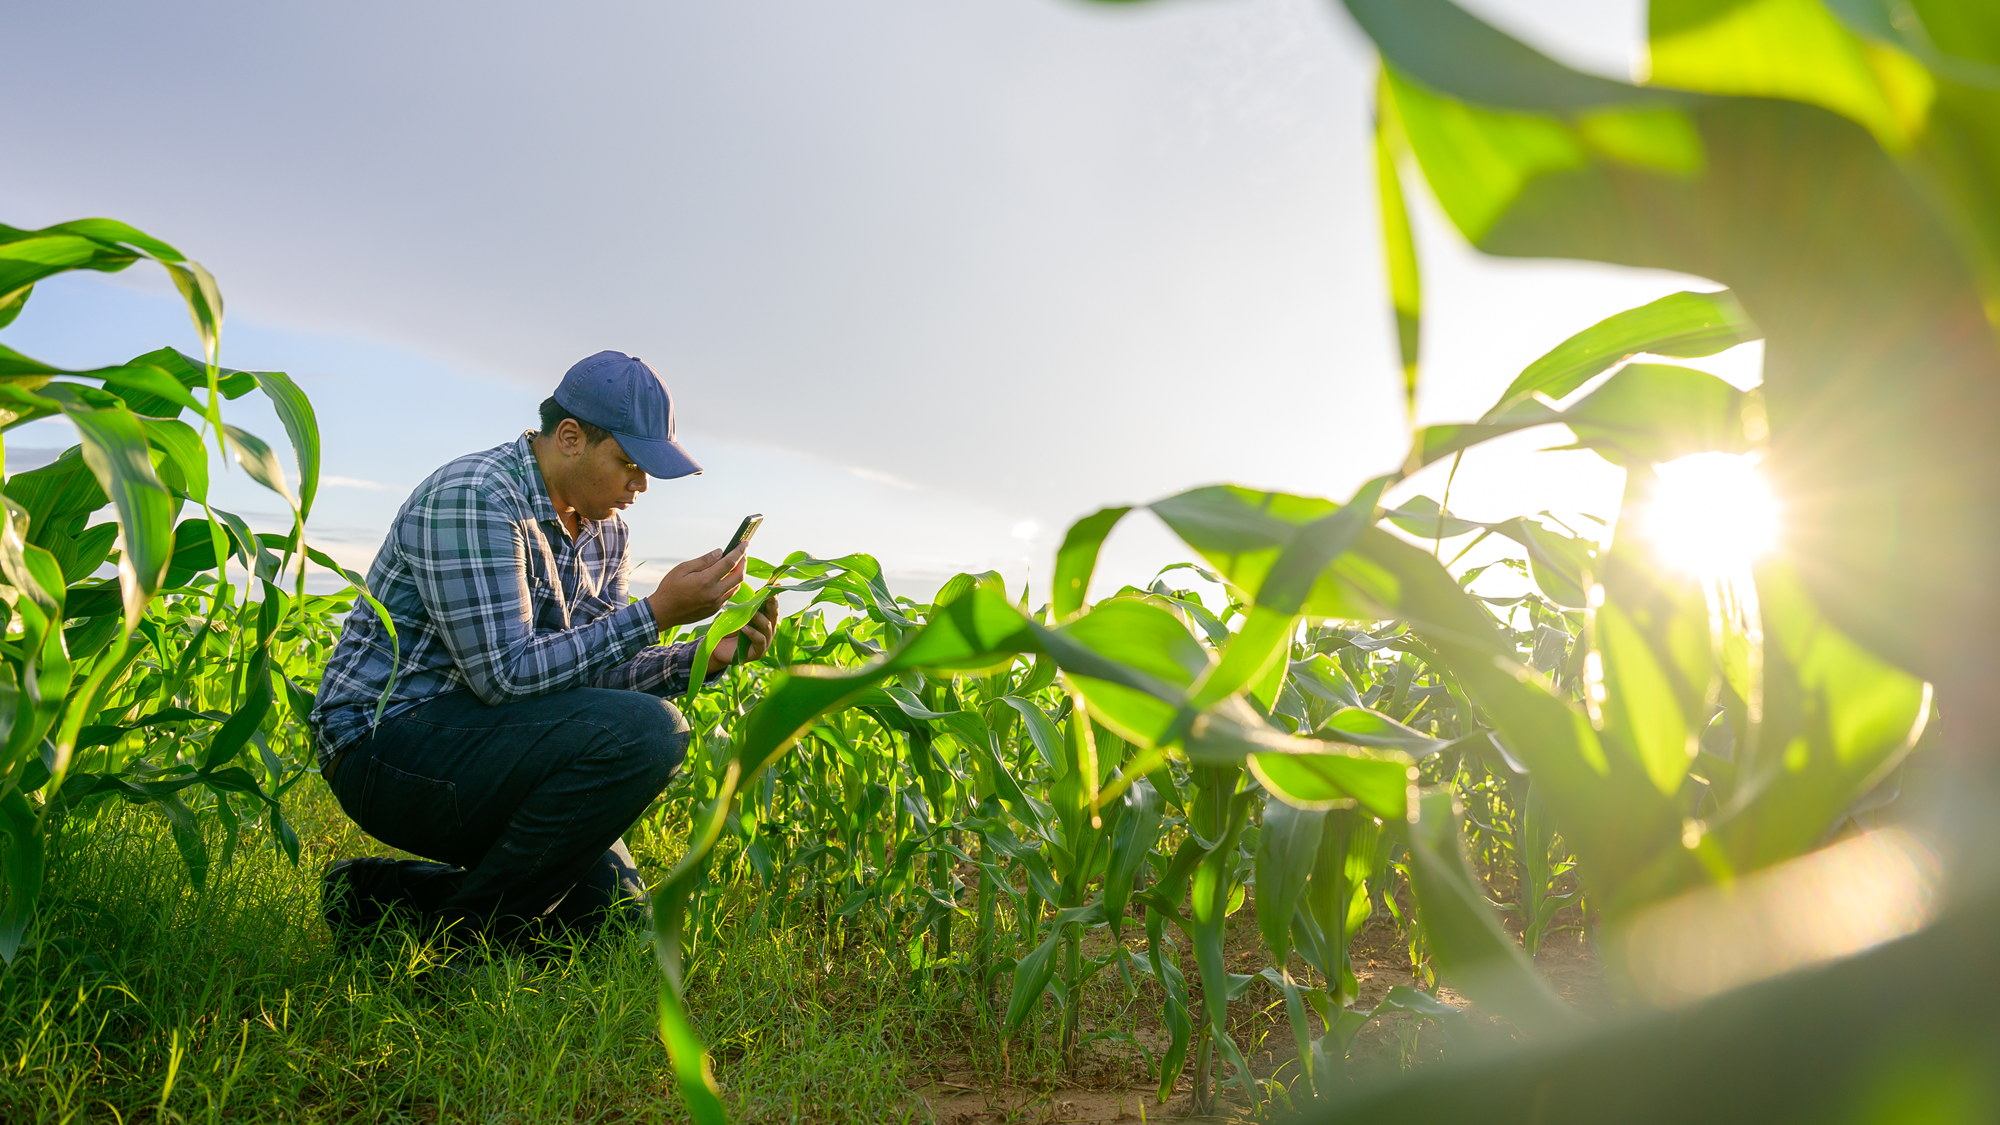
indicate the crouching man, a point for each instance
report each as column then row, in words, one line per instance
column 527, row 722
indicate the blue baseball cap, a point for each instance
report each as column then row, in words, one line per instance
column 621, row 393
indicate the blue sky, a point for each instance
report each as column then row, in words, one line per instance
column 928, row 279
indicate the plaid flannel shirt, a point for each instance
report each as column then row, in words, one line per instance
column 489, row 592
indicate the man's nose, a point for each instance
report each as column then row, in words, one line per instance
column 639, row 483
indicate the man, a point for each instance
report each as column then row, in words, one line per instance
column 526, row 723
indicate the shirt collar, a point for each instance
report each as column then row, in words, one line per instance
column 538, row 490
column 531, row 474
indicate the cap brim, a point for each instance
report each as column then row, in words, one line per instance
column 662, row 459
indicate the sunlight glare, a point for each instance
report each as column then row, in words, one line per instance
column 1713, row 514
column 1833, row 903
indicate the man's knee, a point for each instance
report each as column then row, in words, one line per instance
column 651, row 733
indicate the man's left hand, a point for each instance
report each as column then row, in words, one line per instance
column 748, row 643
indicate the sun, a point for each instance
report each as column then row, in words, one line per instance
column 1712, row 514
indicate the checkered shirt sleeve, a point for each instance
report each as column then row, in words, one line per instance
column 469, row 562
column 487, row 593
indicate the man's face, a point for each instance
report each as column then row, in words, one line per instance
column 606, row 480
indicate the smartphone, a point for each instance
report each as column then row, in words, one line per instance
column 744, row 531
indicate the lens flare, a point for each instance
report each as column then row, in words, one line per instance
column 1712, row 513
column 1833, row 903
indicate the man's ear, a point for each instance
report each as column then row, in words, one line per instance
column 569, row 437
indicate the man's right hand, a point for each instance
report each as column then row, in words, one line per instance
column 697, row 588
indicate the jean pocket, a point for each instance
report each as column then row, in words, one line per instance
column 408, row 810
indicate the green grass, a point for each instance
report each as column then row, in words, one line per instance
column 159, row 1003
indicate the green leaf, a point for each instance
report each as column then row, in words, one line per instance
column 977, row 628
column 194, row 550
column 204, row 303
column 28, row 256
column 1652, row 412
column 147, row 389
column 1359, row 726
column 1645, row 413
column 743, row 605
column 1076, row 559
column 39, row 607
column 1472, row 951
column 1337, row 902
column 1180, row 1028
column 110, row 233
column 1640, row 706
column 1295, row 1014
column 1422, row 517
column 12, row 303
column 1892, row 273
column 1448, row 49
column 1564, row 566
column 1265, row 640
column 360, row 586
column 1403, row 998
column 690, row 1059
column 234, row 734
column 1399, row 251
column 1260, row 646
column 1242, row 533
column 81, row 555
column 1209, row 896
column 54, row 497
column 954, row 588
column 1136, row 634
column 1142, row 634
column 1837, row 719
column 1048, row 741
column 1131, row 841
column 1287, row 848
column 187, row 836
column 1334, row 780
column 1684, row 325
column 1320, row 677
column 1031, row 979
column 259, row 461
column 1477, row 159
column 116, row 450
column 193, row 373
column 184, row 466
column 295, row 410
column 21, row 865
column 1793, row 49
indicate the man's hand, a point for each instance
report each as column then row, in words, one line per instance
column 697, row 588
column 749, row 643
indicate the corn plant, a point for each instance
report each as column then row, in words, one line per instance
column 176, row 678
column 1321, row 733
column 978, row 786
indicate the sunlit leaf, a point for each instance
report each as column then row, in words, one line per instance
column 1686, row 325
column 1870, row 278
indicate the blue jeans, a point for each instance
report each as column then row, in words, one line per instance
column 522, row 805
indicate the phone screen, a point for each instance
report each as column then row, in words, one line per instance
column 744, row 531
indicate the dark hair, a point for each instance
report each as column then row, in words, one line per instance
column 554, row 412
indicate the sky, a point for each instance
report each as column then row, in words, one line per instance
column 929, row 279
